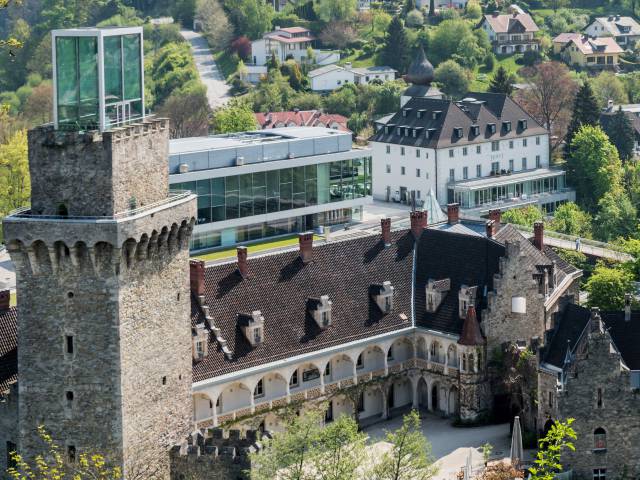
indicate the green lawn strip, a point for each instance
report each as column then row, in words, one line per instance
column 288, row 241
column 482, row 77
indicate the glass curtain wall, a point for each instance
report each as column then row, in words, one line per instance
column 241, row 196
column 122, row 78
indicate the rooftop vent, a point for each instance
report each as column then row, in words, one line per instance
column 239, row 161
column 183, row 168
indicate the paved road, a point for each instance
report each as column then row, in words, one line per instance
column 217, row 89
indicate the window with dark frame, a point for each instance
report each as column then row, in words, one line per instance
column 69, row 344
column 293, row 381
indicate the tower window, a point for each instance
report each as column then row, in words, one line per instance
column 69, row 294
column 62, row 210
column 259, row 390
column 599, row 439
column 599, row 474
column 11, row 448
column 164, row 380
column 390, row 353
column 293, row 381
column 360, row 362
column 71, row 453
column 599, row 400
column 69, row 343
column 69, row 395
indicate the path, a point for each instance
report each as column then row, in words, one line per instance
column 217, row 89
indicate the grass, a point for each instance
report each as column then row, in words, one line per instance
column 258, row 247
column 227, row 63
column 482, row 77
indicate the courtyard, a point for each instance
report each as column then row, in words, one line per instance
column 450, row 445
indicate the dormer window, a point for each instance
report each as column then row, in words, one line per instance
column 436, row 114
column 383, row 296
column 320, row 310
column 200, row 345
column 459, row 131
column 466, row 298
column 406, row 112
column 506, row 126
column 522, row 124
column 420, row 113
column 431, row 132
column 475, row 130
column 436, row 290
column 252, row 326
column 492, row 128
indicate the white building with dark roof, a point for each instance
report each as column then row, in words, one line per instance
column 625, row 30
column 332, row 77
column 512, row 33
column 483, row 152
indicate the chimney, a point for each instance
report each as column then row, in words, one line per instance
column 491, row 228
column 627, row 307
column 496, row 216
column 5, row 300
column 196, row 275
column 306, row 246
column 538, row 235
column 610, row 105
column 418, row 222
column 595, row 321
column 242, row 262
column 385, row 225
column 453, row 213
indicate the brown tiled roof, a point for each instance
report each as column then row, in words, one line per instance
column 487, row 108
column 8, row 348
column 513, row 23
column 280, row 285
column 588, row 45
column 471, row 333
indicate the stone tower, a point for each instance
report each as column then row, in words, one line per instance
column 104, row 338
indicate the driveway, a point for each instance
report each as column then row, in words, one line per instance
column 217, row 89
column 450, row 445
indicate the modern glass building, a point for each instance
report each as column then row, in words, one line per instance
column 98, row 77
column 267, row 183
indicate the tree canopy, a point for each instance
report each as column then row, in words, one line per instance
column 453, row 79
column 502, row 81
column 335, row 10
column 395, row 49
column 236, row 116
column 608, row 286
column 621, row 133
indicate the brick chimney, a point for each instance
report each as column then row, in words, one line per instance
column 306, row 246
column 496, row 216
column 196, row 275
column 5, row 300
column 538, row 235
column 243, row 268
column 453, row 213
column 418, row 222
column 385, row 225
column 491, row 228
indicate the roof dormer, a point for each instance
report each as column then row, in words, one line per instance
column 383, row 296
column 466, row 299
column 522, row 124
column 491, row 127
column 506, row 126
column 199, row 342
column 475, row 130
column 435, row 291
column 320, row 310
column 252, row 325
column 459, row 132
column 406, row 112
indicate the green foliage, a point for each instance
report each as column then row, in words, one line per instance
column 607, row 86
column 236, row 116
column 616, row 217
column 570, row 219
column 489, row 62
column 550, row 448
column 621, row 133
column 585, row 112
column 577, row 259
column 410, row 455
column 593, row 166
column 273, row 93
column 565, row 20
column 335, row 10
column 291, row 70
column 502, row 81
column 525, row 216
column 189, row 112
column 473, row 10
column 306, row 101
column 15, row 184
column 607, row 287
column 357, row 122
column 342, row 101
column 487, row 448
column 341, row 450
column 415, row 18
column 394, row 51
column 250, row 17
column 453, row 79
column 455, row 39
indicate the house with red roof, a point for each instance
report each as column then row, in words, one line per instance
column 290, row 42
column 510, row 33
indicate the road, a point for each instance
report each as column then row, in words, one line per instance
column 217, row 89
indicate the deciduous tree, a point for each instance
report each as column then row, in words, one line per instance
column 548, row 460
column 250, row 17
column 338, row 34
column 607, row 287
column 452, row 78
column 188, row 112
column 236, row 116
column 616, row 217
column 335, row 10
column 570, row 219
column 607, row 86
column 15, row 185
column 525, row 216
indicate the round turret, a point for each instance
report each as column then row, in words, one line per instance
column 420, row 71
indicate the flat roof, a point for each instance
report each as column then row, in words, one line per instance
column 527, row 175
column 95, row 31
column 256, row 137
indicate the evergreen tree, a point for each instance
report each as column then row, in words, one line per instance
column 620, row 132
column 394, row 52
column 502, row 81
column 585, row 112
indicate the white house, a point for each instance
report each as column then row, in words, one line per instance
column 482, row 152
column 440, row 4
column 625, row 30
column 332, row 77
column 513, row 33
column 290, row 42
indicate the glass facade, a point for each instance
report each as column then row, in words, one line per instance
column 250, row 194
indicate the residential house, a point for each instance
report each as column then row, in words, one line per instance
column 289, row 42
column 512, row 33
column 332, row 77
column 625, row 30
column 441, row 4
column 588, row 52
column 302, row 118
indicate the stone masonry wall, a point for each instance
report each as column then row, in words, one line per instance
column 98, row 175
column 8, row 426
column 598, row 367
column 547, row 404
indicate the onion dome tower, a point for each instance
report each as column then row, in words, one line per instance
column 420, row 75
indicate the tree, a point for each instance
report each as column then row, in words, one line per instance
column 410, row 455
column 616, row 217
column 456, row 38
column 525, row 216
column 335, row 10
column 357, row 122
column 236, row 116
column 585, row 112
column 502, row 81
column 380, row 21
column 394, row 51
column 550, row 449
column 607, row 86
column 242, row 46
column 593, row 167
column 273, row 93
column 250, row 17
column 408, row 6
column 15, row 183
column 569, row 219
column 473, row 10
column 291, row 70
column 188, row 111
column 338, row 34
column 608, row 286
column 452, row 78
column 621, row 133
column 415, row 18
column 11, row 42
column 549, row 98
column 341, row 450
column 342, row 101
column 39, row 105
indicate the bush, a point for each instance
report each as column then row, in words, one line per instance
column 242, row 46
column 531, row 57
column 415, row 18
column 490, row 62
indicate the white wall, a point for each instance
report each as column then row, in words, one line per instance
column 259, row 52
column 332, row 80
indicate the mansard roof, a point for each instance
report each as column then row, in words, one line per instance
column 8, row 348
column 280, row 286
column 440, row 120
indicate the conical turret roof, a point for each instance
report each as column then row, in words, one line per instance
column 471, row 333
column 420, row 71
